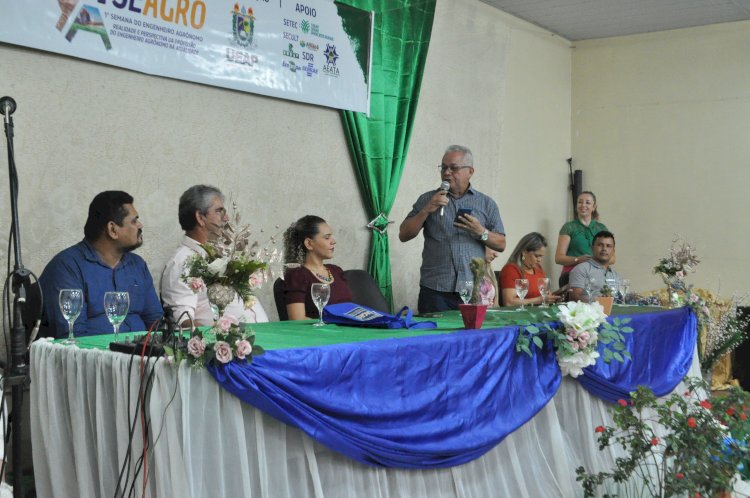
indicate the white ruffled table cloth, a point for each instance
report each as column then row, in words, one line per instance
column 204, row 442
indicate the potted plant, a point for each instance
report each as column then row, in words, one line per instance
column 606, row 299
column 688, row 444
column 474, row 312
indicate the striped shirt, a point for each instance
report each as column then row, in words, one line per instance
column 448, row 250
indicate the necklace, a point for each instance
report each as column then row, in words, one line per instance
column 323, row 278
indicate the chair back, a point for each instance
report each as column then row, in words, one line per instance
column 365, row 290
column 278, row 297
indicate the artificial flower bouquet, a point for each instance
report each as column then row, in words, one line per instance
column 582, row 326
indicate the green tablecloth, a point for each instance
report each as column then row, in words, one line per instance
column 301, row 334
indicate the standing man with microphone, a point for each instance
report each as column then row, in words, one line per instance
column 460, row 223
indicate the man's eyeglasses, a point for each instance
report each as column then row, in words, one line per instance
column 454, row 169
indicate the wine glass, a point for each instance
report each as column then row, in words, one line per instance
column 71, row 302
column 543, row 286
column 588, row 288
column 116, row 305
column 320, row 294
column 624, row 288
column 522, row 288
column 613, row 285
column 465, row 291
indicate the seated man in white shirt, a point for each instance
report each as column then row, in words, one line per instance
column 201, row 214
column 597, row 271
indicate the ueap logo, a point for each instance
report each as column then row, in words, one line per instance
column 89, row 19
column 243, row 25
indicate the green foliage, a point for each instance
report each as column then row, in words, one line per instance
column 702, row 443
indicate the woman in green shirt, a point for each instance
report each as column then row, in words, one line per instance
column 574, row 241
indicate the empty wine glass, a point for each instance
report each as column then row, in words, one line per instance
column 320, row 294
column 588, row 286
column 543, row 286
column 522, row 288
column 116, row 305
column 71, row 303
column 624, row 289
column 465, row 291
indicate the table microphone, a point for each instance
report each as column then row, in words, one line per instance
column 444, row 187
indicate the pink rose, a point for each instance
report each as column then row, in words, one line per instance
column 575, row 346
column 226, row 322
column 680, row 274
column 584, row 337
column 196, row 347
column 243, row 348
column 256, row 279
column 223, row 351
column 196, row 284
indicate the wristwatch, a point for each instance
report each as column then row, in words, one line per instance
column 485, row 235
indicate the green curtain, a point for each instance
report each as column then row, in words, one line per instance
column 379, row 144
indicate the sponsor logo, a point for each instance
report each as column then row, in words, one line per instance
column 310, row 69
column 291, row 53
column 315, row 31
column 243, row 26
column 241, row 57
column 291, row 65
column 290, row 36
column 305, row 25
column 89, row 19
column 330, row 54
column 291, row 24
column 312, row 47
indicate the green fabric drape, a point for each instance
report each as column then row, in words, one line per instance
column 379, row 144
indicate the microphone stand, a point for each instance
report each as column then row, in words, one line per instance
column 17, row 375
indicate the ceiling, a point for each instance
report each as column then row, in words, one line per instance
column 587, row 19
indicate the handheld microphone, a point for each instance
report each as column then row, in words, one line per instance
column 444, row 187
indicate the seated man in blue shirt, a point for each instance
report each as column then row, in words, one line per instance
column 103, row 261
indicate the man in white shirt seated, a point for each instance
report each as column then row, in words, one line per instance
column 597, row 271
column 202, row 215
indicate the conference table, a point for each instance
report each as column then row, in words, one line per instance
column 338, row 411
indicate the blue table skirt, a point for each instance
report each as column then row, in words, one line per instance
column 442, row 400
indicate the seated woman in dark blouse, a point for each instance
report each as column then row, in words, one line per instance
column 308, row 243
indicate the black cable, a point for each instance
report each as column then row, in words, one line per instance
column 147, row 420
column 164, row 415
column 130, row 438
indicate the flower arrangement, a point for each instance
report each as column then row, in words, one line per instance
column 231, row 265
column 582, row 326
column 226, row 341
column 722, row 328
column 675, row 267
column 681, row 260
column 685, row 445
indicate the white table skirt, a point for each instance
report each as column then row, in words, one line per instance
column 207, row 443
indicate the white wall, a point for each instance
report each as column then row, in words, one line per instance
column 496, row 84
column 660, row 127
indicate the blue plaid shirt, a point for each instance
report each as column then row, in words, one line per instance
column 448, row 250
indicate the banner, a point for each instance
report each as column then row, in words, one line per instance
column 316, row 52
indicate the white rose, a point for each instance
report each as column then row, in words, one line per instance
column 218, row 266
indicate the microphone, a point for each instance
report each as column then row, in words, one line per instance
column 444, row 187
column 7, row 106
